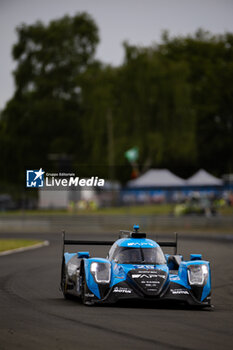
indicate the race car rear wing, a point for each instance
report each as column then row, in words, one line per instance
column 109, row 243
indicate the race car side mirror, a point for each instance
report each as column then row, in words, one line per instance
column 195, row 257
column 83, row 255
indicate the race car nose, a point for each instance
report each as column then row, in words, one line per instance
column 150, row 282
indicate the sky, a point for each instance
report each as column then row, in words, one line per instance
column 140, row 22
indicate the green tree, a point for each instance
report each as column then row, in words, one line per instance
column 211, row 72
column 155, row 108
column 45, row 114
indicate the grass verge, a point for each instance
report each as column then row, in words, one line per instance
column 147, row 209
column 9, row 244
column 161, row 209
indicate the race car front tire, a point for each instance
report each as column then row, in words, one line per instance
column 84, row 292
column 64, row 282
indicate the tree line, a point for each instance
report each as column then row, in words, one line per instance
column 172, row 100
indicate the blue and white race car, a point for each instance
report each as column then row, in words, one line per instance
column 135, row 268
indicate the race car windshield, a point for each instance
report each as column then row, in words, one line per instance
column 129, row 255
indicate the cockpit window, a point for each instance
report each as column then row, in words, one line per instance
column 129, row 255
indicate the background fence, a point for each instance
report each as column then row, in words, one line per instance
column 111, row 223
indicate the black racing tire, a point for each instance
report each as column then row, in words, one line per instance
column 64, row 281
column 83, row 287
column 84, row 291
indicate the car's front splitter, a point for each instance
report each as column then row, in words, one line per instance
column 173, row 292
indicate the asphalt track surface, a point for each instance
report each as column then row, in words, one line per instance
column 34, row 315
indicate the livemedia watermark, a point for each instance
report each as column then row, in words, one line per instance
column 60, row 180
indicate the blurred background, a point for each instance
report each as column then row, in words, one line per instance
column 136, row 92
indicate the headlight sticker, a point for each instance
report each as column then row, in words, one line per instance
column 101, row 272
column 197, row 274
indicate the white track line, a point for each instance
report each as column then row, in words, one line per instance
column 23, row 249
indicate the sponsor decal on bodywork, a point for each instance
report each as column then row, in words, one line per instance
column 89, row 295
column 148, row 275
column 151, row 281
column 137, row 244
column 122, row 290
column 179, row 291
column 147, row 267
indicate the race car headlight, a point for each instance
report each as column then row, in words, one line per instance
column 101, row 272
column 197, row 274
column 71, row 269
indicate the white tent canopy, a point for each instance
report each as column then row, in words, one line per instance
column 157, row 178
column 203, row 178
